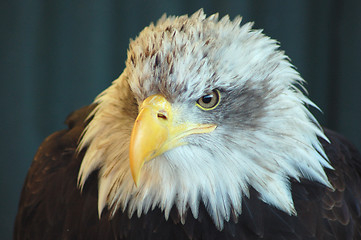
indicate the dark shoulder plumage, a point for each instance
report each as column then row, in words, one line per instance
column 342, row 207
column 52, row 207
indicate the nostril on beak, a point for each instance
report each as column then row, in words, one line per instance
column 162, row 116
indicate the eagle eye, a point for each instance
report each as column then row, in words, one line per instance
column 209, row 101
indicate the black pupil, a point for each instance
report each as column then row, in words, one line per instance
column 207, row 99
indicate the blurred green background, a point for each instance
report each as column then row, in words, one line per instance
column 56, row 56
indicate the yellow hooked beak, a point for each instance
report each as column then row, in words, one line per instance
column 156, row 131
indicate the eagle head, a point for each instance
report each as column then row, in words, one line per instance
column 205, row 110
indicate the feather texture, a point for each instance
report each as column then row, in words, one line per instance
column 268, row 171
column 260, row 120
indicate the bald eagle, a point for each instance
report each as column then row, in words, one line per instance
column 205, row 135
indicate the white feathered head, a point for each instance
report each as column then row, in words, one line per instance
column 204, row 110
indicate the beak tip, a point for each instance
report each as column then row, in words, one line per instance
column 135, row 171
column 136, row 180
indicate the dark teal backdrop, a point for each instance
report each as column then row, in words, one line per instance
column 57, row 55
